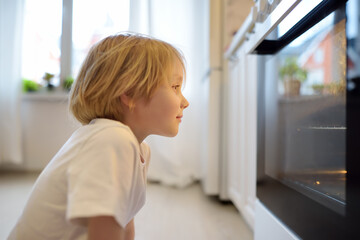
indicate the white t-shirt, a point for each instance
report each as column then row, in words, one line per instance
column 97, row 172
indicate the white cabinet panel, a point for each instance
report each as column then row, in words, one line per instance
column 241, row 133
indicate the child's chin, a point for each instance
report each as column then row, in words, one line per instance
column 171, row 134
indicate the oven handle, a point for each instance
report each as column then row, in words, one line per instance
column 313, row 17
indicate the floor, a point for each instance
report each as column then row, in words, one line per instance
column 169, row 213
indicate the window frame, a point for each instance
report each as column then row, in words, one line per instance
column 66, row 41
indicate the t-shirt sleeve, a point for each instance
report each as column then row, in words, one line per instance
column 100, row 178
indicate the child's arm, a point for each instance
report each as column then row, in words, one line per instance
column 106, row 227
column 130, row 231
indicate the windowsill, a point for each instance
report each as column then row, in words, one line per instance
column 46, row 96
column 309, row 98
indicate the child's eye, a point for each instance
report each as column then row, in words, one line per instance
column 176, row 87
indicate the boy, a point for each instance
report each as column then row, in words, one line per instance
column 128, row 88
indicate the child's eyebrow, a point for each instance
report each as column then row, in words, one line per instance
column 178, row 78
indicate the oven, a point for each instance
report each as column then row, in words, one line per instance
column 309, row 116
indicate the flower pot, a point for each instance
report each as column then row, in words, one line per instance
column 292, row 87
column 50, row 87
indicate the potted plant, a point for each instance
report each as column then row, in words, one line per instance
column 336, row 88
column 332, row 88
column 48, row 78
column 292, row 75
column 30, row 85
column 68, row 83
column 318, row 88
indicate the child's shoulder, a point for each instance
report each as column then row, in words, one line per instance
column 106, row 131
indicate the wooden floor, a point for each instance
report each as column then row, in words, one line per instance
column 169, row 213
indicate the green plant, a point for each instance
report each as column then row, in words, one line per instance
column 319, row 88
column 48, row 77
column 292, row 70
column 336, row 88
column 68, row 83
column 29, row 85
column 332, row 88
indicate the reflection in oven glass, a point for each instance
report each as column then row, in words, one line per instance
column 320, row 67
column 331, row 183
column 307, row 118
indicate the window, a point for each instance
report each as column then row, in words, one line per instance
column 41, row 39
column 47, row 26
column 93, row 21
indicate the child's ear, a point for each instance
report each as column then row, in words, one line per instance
column 125, row 99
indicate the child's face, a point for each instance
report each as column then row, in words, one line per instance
column 162, row 114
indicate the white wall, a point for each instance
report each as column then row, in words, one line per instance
column 46, row 125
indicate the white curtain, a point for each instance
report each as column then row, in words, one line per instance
column 11, row 22
column 176, row 161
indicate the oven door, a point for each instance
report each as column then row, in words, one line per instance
column 308, row 161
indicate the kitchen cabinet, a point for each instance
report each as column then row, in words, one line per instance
column 241, row 132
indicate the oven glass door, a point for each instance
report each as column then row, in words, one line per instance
column 305, row 114
column 309, row 120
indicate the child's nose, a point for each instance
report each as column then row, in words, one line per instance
column 184, row 103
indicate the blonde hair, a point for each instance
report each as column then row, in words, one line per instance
column 126, row 63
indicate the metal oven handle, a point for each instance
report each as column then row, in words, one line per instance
column 313, row 17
